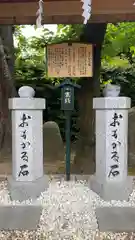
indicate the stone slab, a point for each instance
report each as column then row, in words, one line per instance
column 20, row 217
column 112, row 191
column 116, row 219
column 27, row 190
column 52, row 137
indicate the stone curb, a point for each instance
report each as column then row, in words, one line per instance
column 116, row 219
column 20, row 217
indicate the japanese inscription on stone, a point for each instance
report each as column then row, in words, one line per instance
column 25, row 145
column 74, row 60
column 115, row 144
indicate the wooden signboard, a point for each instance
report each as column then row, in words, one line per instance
column 70, row 60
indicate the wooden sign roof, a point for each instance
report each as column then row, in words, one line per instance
column 65, row 11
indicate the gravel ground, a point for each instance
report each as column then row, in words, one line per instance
column 68, row 213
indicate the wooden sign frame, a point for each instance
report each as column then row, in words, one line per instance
column 67, row 60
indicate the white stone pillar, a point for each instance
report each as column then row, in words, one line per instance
column 110, row 180
column 27, row 143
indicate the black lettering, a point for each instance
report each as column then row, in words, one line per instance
column 24, row 145
column 115, row 156
column 114, row 145
column 23, row 171
column 114, row 172
column 24, row 156
column 114, row 134
column 115, row 120
column 23, row 135
column 23, row 119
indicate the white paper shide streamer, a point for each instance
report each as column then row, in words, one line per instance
column 86, row 10
column 39, row 14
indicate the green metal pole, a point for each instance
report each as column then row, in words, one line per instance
column 68, row 146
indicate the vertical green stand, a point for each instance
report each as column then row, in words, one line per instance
column 67, row 104
column 68, row 145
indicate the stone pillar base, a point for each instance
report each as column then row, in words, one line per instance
column 20, row 217
column 22, row 191
column 116, row 219
column 112, row 191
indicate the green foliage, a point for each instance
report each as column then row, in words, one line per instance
column 118, row 57
column 119, row 41
column 124, row 77
column 118, row 61
column 68, row 32
column 30, row 69
column 30, row 53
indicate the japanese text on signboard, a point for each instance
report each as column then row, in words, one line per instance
column 65, row 60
